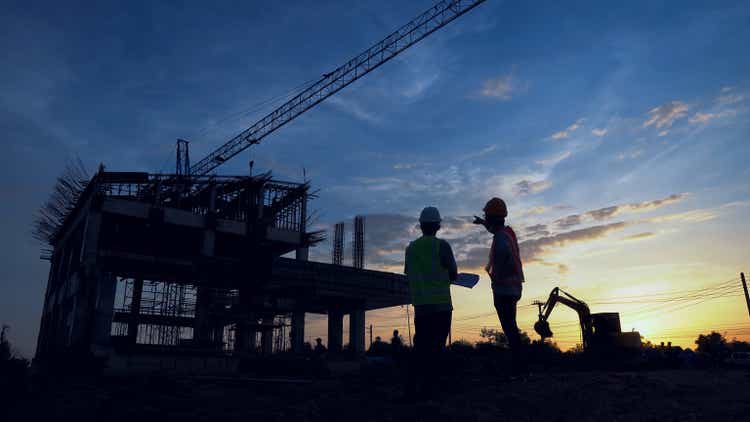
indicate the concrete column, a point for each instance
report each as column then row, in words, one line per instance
column 245, row 340
column 135, row 310
column 106, row 287
column 357, row 331
column 298, row 331
column 266, row 341
column 302, row 254
column 335, row 330
column 252, row 340
column 202, row 329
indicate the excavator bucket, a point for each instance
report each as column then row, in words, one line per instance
column 542, row 328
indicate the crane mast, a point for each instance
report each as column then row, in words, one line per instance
column 417, row 29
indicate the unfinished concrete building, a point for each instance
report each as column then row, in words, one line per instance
column 189, row 264
column 168, row 267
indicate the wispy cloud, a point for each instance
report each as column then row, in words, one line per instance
column 692, row 216
column 527, row 187
column 480, row 153
column 599, row 132
column 552, row 161
column 501, row 88
column 533, row 249
column 707, row 117
column 631, row 155
column 639, row 236
column 404, row 166
column 728, row 96
column 665, row 115
column 354, row 109
column 567, row 131
column 615, row 210
column 420, row 85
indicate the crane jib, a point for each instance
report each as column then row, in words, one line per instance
column 406, row 36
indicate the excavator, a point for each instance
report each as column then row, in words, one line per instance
column 601, row 332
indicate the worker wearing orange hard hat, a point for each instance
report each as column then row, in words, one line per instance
column 506, row 272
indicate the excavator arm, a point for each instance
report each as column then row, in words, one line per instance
column 559, row 296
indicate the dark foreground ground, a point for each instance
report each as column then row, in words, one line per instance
column 684, row 395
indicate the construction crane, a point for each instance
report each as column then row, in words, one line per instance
column 389, row 47
column 600, row 332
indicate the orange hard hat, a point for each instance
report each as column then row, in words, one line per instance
column 496, row 207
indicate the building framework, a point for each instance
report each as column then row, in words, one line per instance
column 172, row 265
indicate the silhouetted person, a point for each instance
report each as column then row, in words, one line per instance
column 396, row 343
column 430, row 268
column 320, row 349
column 378, row 348
column 506, row 272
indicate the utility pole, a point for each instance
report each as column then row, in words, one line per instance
column 370, row 335
column 408, row 324
column 747, row 297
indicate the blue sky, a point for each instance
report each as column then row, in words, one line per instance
column 562, row 109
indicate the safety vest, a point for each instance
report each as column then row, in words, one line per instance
column 517, row 277
column 429, row 281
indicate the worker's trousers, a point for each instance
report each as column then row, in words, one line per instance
column 505, row 305
column 431, row 332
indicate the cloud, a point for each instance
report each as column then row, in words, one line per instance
column 476, row 154
column 569, row 221
column 536, row 230
column 420, row 85
column 554, row 160
column 665, row 115
column 630, row 155
column 599, row 132
column 404, row 166
column 612, row 211
column 663, row 133
column 692, row 216
column 566, row 133
column 639, row 236
column 533, row 249
column 728, row 96
column 527, row 187
column 500, row 88
column 353, row 109
column 540, row 209
column 707, row 117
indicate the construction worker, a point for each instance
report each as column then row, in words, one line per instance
column 320, row 350
column 430, row 267
column 506, row 272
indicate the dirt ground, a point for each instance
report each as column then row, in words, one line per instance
column 686, row 395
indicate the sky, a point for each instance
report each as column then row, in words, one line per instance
column 616, row 133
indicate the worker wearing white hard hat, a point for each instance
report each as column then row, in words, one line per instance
column 430, row 267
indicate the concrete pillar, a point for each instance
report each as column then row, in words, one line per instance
column 298, row 331
column 245, row 336
column 106, row 287
column 357, row 331
column 202, row 329
column 266, row 341
column 135, row 310
column 302, row 254
column 335, row 330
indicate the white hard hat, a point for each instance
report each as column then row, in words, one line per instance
column 430, row 215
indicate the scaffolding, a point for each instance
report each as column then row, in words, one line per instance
column 358, row 251
column 338, row 244
column 170, row 301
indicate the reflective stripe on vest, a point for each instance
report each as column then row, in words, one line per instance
column 517, row 278
column 429, row 282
